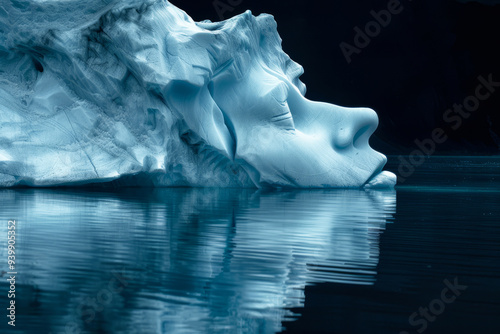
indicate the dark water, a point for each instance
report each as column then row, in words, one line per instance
column 247, row 261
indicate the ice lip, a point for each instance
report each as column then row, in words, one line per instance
column 380, row 180
column 377, row 170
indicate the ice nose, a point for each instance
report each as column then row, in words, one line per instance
column 355, row 128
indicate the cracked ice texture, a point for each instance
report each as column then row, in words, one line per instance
column 137, row 93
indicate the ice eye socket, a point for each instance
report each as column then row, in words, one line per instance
column 281, row 115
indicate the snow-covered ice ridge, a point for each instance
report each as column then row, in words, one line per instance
column 137, row 93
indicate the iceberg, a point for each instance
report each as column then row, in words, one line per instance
column 137, row 93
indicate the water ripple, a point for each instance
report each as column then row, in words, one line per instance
column 186, row 260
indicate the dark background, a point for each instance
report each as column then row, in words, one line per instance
column 428, row 58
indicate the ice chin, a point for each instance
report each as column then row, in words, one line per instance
column 137, row 93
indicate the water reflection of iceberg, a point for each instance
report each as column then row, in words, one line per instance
column 197, row 260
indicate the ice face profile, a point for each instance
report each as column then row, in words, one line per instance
column 138, row 93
